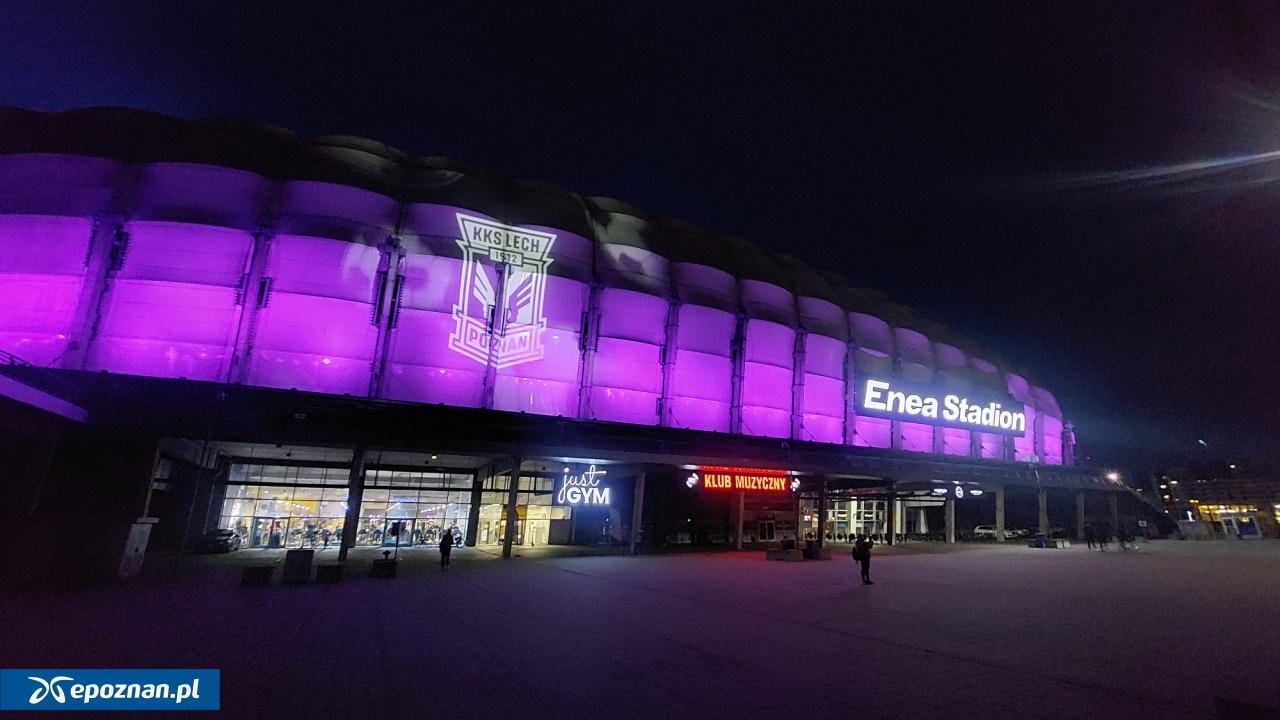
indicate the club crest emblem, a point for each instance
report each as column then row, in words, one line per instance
column 498, row 317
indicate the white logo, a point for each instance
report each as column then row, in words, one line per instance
column 48, row 687
column 498, row 317
column 584, row 489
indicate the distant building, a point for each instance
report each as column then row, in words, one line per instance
column 1225, row 507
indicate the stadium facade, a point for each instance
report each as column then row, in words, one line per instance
column 301, row 338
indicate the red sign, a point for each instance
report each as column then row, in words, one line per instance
column 745, row 479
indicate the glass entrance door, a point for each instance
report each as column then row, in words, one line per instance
column 269, row 533
column 765, row 531
column 397, row 532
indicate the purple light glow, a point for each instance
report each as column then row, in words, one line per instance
column 184, row 300
column 170, row 311
column 39, row 290
column 319, row 306
column 627, row 374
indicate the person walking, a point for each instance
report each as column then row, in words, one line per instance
column 1090, row 535
column 1103, row 537
column 862, row 554
column 446, row 547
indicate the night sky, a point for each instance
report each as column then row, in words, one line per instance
column 1083, row 187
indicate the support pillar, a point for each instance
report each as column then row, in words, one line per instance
column 512, row 497
column 999, row 514
column 741, row 505
column 107, row 243
column 822, row 511
column 922, row 524
column 355, row 491
column 1079, row 515
column 891, row 520
column 951, row 519
column 1044, row 512
column 637, row 512
column 477, row 497
column 1114, row 506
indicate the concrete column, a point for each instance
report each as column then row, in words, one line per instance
column 999, row 514
column 637, row 511
column 385, row 310
column 822, row 511
column 741, row 504
column 797, row 385
column 496, row 324
column 590, row 343
column 739, row 354
column 251, row 298
column 512, row 497
column 477, row 498
column 1044, row 512
column 1068, row 444
column 355, row 491
column 922, row 526
column 891, row 519
column 1114, row 506
column 1079, row 515
column 107, row 242
column 951, row 519
column 669, row 351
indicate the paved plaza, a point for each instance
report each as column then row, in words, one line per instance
column 967, row 631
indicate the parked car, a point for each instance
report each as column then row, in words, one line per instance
column 988, row 532
column 219, row 541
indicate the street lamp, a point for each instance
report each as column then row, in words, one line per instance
column 1113, row 476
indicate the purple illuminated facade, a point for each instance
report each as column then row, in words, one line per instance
column 228, row 253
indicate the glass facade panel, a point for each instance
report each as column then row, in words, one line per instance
column 534, row 511
column 284, row 515
column 276, row 506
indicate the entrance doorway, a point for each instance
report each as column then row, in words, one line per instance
column 765, row 531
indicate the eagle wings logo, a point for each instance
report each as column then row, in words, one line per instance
column 499, row 318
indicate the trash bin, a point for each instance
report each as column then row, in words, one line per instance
column 297, row 567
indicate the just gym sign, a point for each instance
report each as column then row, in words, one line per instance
column 583, row 489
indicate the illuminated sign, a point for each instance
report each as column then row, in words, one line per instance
column 583, row 489
column 498, row 317
column 745, row 479
column 900, row 401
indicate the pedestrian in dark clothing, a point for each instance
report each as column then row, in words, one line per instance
column 446, row 547
column 1090, row 535
column 1103, row 537
column 862, row 554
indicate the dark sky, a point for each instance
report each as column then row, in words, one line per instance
column 1083, row 187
